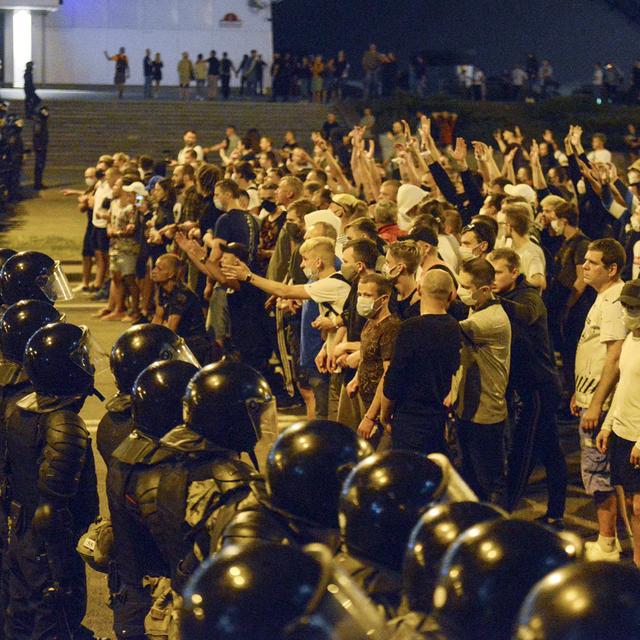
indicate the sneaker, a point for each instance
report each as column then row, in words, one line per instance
column 100, row 295
column 78, row 288
column 593, row 552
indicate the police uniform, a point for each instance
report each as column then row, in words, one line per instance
column 40, row 145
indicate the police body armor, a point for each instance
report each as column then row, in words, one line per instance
column 382, row 585
column 53, row 500
column 114, row 426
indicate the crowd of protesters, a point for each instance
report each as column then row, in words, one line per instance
column 460, row 298
column 319, row 78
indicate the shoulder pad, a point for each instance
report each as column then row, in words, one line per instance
column 119, row 403
column 138, row 449
column 226, row 471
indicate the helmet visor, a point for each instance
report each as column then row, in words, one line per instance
column 89, row 355
column 180, row 352
column 340, row 610
column 56, row 286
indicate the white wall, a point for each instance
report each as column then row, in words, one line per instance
column 75, row 36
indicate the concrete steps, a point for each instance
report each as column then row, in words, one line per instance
column 82, row 130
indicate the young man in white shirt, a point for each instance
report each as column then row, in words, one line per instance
column 190, row 139
column 596, row 373
column 100, row 203
column 620, row 433
column 329, row 289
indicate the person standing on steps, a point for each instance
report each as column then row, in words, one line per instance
column 147, row 70
column 122, row 70
column 156, row 72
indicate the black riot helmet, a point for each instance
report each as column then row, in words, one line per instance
column 19, row 322
column 227, row 403
column 583, row 601
column 381, row 501
column 157, row 396
column 5, row 254
column 430, row 539
column 487, row 573
column 306, row 467
column 141, row 345
column 31, row 275
column 58, row 360
column 276, row 592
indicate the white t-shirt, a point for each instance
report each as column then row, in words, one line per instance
column 532, row 260
column 330, row 294
column 103, row 191
column 604, row 324
column 599, row 155
column 181, row 154
column 624, row 415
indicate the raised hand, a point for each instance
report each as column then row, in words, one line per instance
column 460, row 152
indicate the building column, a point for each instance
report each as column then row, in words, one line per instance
column 21, row 44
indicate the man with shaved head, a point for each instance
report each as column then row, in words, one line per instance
column 426, row 356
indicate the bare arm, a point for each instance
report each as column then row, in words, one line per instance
column 610, row 373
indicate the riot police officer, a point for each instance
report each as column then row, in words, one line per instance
column 175, row 493
column 19, row 322
column 156, row 409
column 381, row 501
column 137, row 348
column 430, row 539
column 305, row 469
column 486, row 575
column 276, row 591
column 5, row 254
column 31, row 275
column 40, row 145
column 589, row 601
column 53, row 486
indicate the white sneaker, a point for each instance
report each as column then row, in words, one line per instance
column 593, row 552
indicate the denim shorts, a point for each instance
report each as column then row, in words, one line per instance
column 123, row 263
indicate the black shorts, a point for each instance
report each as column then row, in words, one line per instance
column 100, row 240
column 87, row 242
column 622, row 472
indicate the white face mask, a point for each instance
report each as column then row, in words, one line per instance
column 466, row 253
column 557, row 226
column 466, row 296
column 631, row 321
column 365, row 306
column 90, row 181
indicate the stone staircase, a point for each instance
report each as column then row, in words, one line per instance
column 82, row 130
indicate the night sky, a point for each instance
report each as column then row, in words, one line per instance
column 495, row 34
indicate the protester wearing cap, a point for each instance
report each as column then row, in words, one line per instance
column 476, row 240
column 620, row 433
column 326, row 216
column 427, row 242
column 344, row 206
column 137, row 188
column 522, row 191
column 409, row 197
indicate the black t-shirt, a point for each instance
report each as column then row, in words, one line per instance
column 214, row 66
column 239, row 226
column 532, row 363
column 427, row 354
column 184, row 303
column 225, row 67
column 209, row 217
column 405, row 309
